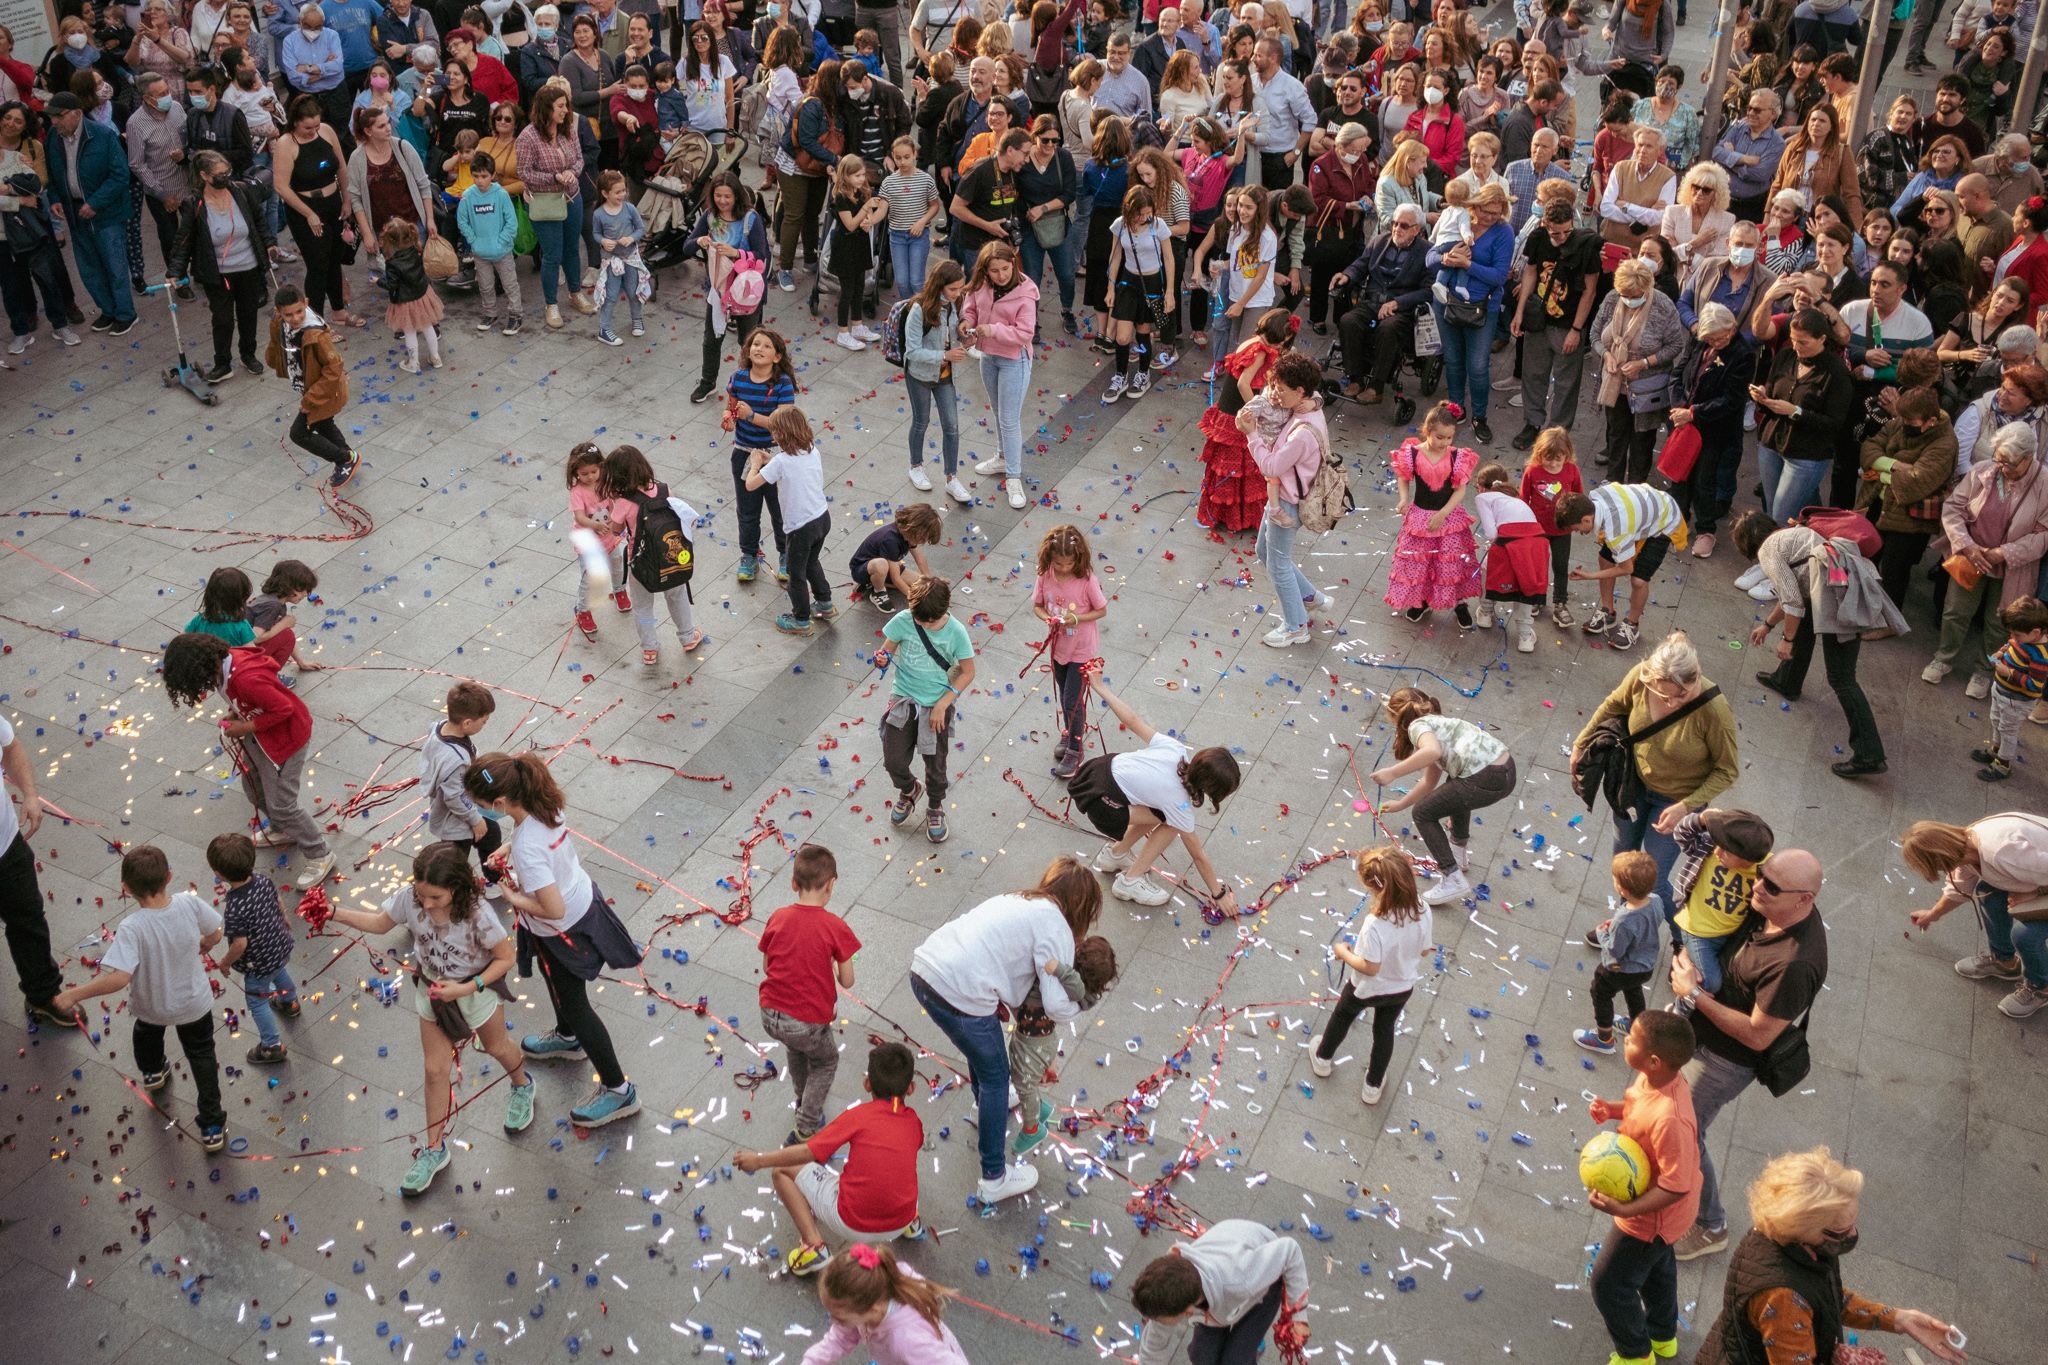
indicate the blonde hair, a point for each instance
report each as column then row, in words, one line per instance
column 1552, row 441
column 1713, row 177
column 1483, row 141
column 1407, row 161
column 1494, row 197
column 1458, row 193
column 1633, row 272
column 850, row 177
column 1674, row 660
column 1934, row 849
column 1802, row 1194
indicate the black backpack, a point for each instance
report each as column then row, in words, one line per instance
column 662, row 557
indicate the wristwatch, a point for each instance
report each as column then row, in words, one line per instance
column 1692, row 998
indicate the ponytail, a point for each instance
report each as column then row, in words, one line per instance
column 1387, row 872
column 524, row 780
column 864, row 1276
column 1404, row 706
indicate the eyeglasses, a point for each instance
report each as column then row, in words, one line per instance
column 1932, row 210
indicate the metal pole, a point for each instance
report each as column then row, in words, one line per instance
column 1877, row 24
column 1717, row 80
column 2030, row 80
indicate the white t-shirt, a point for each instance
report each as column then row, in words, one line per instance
column 10, row 823
column 159, row 949
column 706, row 98
column 1398, row 948
column 1151, row 777
column 1244, row 264
column 447, row 952
column 1496, row 509
column 545, row 856
column 800, row 483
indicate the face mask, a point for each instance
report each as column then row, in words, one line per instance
column 1667, row 90
column 164, row 104
column 546, row 35
column 380, row 82
column 76, row 42
column 774, row 11
column 197, row 101
column 1627, row 302
column 1741, row 255
column 1433, row 95
column 1374, row 28
column 636, row 94
column 1347, row 160
column 309, row 33
column 219, row 182
column 861, row 95
column 1839, row 1246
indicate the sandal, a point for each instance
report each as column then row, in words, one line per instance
column 694, row 642
column 650, row 658
column 351, row 320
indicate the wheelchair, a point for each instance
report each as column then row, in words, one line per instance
column 1427, row 370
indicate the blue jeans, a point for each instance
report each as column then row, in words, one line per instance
column 2009, row 936
column 1468, row 362
column 1007, row 381
column 980, row 1040
column 908, row 256
column 100, row 246
column 922, row 398
column 1715, row 1083
column 273, row 203
column 1640, row 833
column 1706, row 955
column 1062, row 258
column 627, row 284
column 1276, row 552
column 1789, row 484
column 750, row 502
column 560, row 249
column 259, row 990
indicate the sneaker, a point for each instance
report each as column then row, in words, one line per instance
column 1935, row 671
column 290, row 1009
column 219, row 374
column 249, row 362
column 155, row 1081
column 1370, row 1093
column 409, row 366
column 519, row 1107
column 1107, row 859
column 623, row 600
column 1919, row 66
column 1449, row 888
column 1525, row 632
column 266, row 1054
column 1069, row 325
column 102, row 323
column 1066, row 765
column 554, row 316
column 185, row 294
column 705, row 388
column 1749, row 417
column 849, row 341
column 749, row 566
column 1997, row 770
column 586, row 623
column 905, row 803
column 286, row 256
column 1103, row 345
column 1280, row 637
column 608, row 339
column 1020, row 1178
column 782, row 568
column 1526, row 437
column 317, row 871
column 879, row 599
column 1013, row 490
column 808, row 1259
column 1166, row 359
column 1699, row 1241
column 551, row 1047
column 513, row 327
column 1140, row 386
column 1763, row 592
column 957, row 491
column 1117, row 385
column 992, row 465
column 1028, row 1138
column 486, row 324
column 1599, row 623
column 1987, row 967
column 1703, row 546
column 344, row 474
column 790, row 625
column 1463, row 613
column 606, row 1106
column 1483, row 432
column 865, row 332
column 582, row 303
column 920, row 480
column 121, row 329
column 46, row 1011
column 21, row 343
column 1664, row 1350
column 824, row 611
column 1139, row 890
column 1858, row 767
column 639, row 329
column 1589, row 1039
column 1624, row 635
column 213, row 1138
column 935, row 826
column 1749, row 578
column 1979, row 686
column 1320, row 1066
column 273, row 838
column 71, row 338
column 1483, row 614
column 425, row 1167
column 1561, row 616
column 785, row 281
column 1415, row 614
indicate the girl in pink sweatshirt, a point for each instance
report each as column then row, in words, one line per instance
column 886, row 1310
column 998, row 319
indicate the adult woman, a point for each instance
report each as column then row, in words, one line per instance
column 458, row 108
column 932, row 350
column 819, row 130
column 1671, row 116
column 1658, row 253
column 1831, row 261
column 1996, row 518
column 224, row 246
column 1818, row 162
column 1482, row 153
column 1971, row 338
column 1402, row 181
column 1785, row 1279
column 1233, row 99
column 1048, row 183
column 1713, row 378
column 710, row 83
column 30, row 259
column 1907, row 464
column 1989, row 864
column 1437, row 61
column 1831, row 210
column 1292, row 458
column 728, row 226
column 1936, row 215
column 1800, row 89
column 1440, row 129
column 1756, row 49
column 998, row 319
column 1482, row 103
column 160, row 46
column 2020, row 397
column 1991, row 72
column 1939, row 288
column 1475, row 771
column 1184, row 94
column 2027, row 257
column 305, row 170
column 1804, row 411
column 1686, row 763
column 1341, row 183
column 551, row 164
column 1890, row 156
column 1943, row 164
column 1103, row 183
column 386, row 180
column 1697, row 225
column 501, row 143
column 1639, row 338
column 1047, row 34
column 727, row 41
column 1473, row 274
column 1394, row 107
column 984, row 144
column 592, row 73
column 486, row 73
column 1143, row 799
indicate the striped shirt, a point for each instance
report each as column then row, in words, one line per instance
column 764, row 399
column 1627, row 514
column 908, row 196
column 1906, row 329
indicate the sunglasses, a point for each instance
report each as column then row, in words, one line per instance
column 1931, row 211
column 1770, row 884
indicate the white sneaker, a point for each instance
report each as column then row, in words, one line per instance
column 1764, row 592
column 1750, row 577
column 1482, row 614
column 1015, row 489
column 69, row 337
column 1140, row 386
column 1749, row 417
column 1107, row 859
column 21, row 343
column 992, row 465
column 957, row 491
column 920, row 480
column 1449, row 889
column 1980, row 686
column 1321, row 1066
column 865, row 332
column 1143, row 890
column 1018, row 1179
column 850, row 342
column 1115, row 389
column 1935, row 672
column 1280, row 637
column 316, row 872
column 1463, row 853
column 1370, row 1093
column 1525, row 631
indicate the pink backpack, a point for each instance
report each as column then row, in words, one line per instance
column 746, row 284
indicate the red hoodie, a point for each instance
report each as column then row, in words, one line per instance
column 283, row 724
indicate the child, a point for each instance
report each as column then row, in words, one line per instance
column 671, row 106
column 1383, row 969
column 1031, row 1033
column 618, row 227
column 2020, row 679
column 1719, row 852
column 1635, row 1276
column 1517, row 570
column 766, row 382
column 222, row 607
column 1454, row 225
column 302, row 351
column 269, row 612
column 490, row 225
column 444, row 757
column 1233, row 1280
column 1636, row 525
column 854, row 215
column 259, row 941
column 415, row 308
column 563, row 919
column 934, row 665
column 267, row 737
column 1069, row 599
column 460, row 964
column 455, row 168
column 875, row 1198
column 884, row 560
column 806, row 959
column 591, row 510
column 1210, row 298
column 727, row 227
column 1235, row 491
column 1550, row 474
column 1251, row 255
column 156, row 956
column 883, row 1311
column 1292, row 208
column 635, row 493
column 798, row 472
column 1628, row 945
column 1141, row 274
column 913, row 200
column 1436, row 563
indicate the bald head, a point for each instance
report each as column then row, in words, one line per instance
column 1787, row 883
column 1973, row 192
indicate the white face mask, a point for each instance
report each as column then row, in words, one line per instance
column 1433, row 95
column 636, row 94
column 1741, row 255
column 1628, row 302
column 1349, row 159
column 76, row 42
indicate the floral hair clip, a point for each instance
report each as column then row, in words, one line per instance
column 1294, row 324
column 865, row 1256
column 1457, row 412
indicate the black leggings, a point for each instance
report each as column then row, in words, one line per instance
column 322, row 253
column 1560, row 566
column 1897, row 557
column 575, row 1017
column 1609, row 982
column 1386, row 1013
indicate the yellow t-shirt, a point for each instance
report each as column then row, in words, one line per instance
column 1719, row 900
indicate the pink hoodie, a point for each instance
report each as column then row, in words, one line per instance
column 904, row 1337
column 1005, row 323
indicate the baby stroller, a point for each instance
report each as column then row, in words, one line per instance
column 675, row 194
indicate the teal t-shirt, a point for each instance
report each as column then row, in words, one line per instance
column 234, row 632
column 918, row 675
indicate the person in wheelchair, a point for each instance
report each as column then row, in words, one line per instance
column 1385, row 287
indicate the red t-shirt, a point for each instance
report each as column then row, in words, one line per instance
column 799, row 950
column 878, row 1188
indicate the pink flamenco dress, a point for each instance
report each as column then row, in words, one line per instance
column 1233, row 487
column 1434, row 570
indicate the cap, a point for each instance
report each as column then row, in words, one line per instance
column 63, row 102
column 1741, row 833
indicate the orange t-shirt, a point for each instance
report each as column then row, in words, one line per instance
column 1662, row 1123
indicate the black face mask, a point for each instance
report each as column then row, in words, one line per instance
column 219, row 182
column 1838, row 1247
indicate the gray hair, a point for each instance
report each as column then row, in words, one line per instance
column 2015, row 146
column 1545, row 133
column 1410, row 212
column 1713, row 317
column 2016, row 439
column 1796, row 198
column 1766, row 93
column 1676, row 661
column 428, row 53
column 1350, row 133
column 2020, row 340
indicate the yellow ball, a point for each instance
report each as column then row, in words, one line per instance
column 1615, row 1166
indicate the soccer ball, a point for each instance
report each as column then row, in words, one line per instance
column 1615, row 1166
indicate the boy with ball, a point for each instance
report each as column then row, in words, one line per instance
column 1635, row 1277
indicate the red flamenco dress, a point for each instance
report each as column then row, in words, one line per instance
column 1233, row 487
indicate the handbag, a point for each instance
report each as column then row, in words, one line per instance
column 27, row 231
column 1050, row 229
column 1651, row 391
column 1786, row 1062
column 525, row 239
column 1681, row 451
column 1466, row 313
column 1428, row 340
column 547, row 206
column 1966, row 574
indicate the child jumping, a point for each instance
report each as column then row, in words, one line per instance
column 1069, row 599
column 659, row 555
column 797, row 470
column 1032, row 1047
column 882, row 1311
column 1233, row 1280
column 1436, row 563
column 1628, row 944
column 934, row 665
column 1382, row 970
column 2019, row 679
column 259, row 942
column 598, row 514
column 891, row 558
column 415, row 309
column 806, row 960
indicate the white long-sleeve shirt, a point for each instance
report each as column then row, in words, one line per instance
column 1238, row 1260
column 995, row 951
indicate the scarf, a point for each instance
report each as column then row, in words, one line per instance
column 1646, row 10
column 1622, row 334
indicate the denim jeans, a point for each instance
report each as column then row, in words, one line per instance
column 909, row 256
column 1007, row 381
column 560, row 245
column 1468, row 362
column 1640, row 833
column 750, row 502
column 100, row 246
column 2009, row 936
column 628, row 284
column 980, row 1040
column 813, row 1061
column 1706, row 955
column 923, row 397
column 1062, row 258
column 1789, row 484
column 1276, row 551
column 259, row 990
column 1715, row 1083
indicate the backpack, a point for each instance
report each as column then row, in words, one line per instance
column 1328, row 498
column 892, row 333
column 746, row 284
column 662, row 557
column 772, row 123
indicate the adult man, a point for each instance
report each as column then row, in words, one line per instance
column 986, row 200
column 21, row 902
column 1883, row 327
column 611, row 26
column 1552, row 308
column 311, row 61
column 89, row 192
column 1985, row 230
column 350, row 21
column 2013, row 177
column 1948, row 118
column 156, row 155
column 967, row 117
column 1638, row 191
column 1838, row 74
column 212, row 125
column 875, row 113
column 1347, row 107
column 1751, row 150
column 1525, row 175
column 1285, row 116
column 1124, row 89
column 1518, row 126
column 400, row 28
column 1392, row 281
column 1735, row 281
column 1156, row 51
column 886, row 19
column 1771, row 974
column 256, row 100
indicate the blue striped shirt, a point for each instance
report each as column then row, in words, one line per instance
column 764, row 399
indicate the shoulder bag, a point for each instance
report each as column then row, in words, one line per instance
column 1786, row 1062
